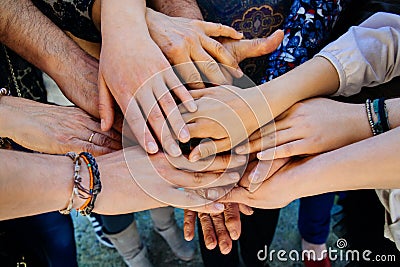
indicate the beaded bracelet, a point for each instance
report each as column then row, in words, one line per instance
column 77, row 188
column 4, row 142
column 95, row 183
column 369, row 115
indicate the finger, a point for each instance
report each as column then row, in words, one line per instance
column 264, row 170
column 189, row 199
column 209, row 148
column 286, row 150
column 136, row 122
column 180, row 91
column 102, row 140
column 174, row 117
column 218, row 163
column 271, row 140
column 222, row 55
column 268, row 136
column 106, row 105
column 95, row 127
column 238, row 195
column 232, row 220
column 200, row 180
column 246, row 210
column 208, row 67
column 200, row 129
column 257, row 47
column 96, row 150
column 159, row 124
column 188, row 71
column 207, row 226
column 224, row 240
column 227, row 75
column 217, row 30
column 189, row 224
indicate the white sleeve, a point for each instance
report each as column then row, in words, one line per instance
column 367, row 55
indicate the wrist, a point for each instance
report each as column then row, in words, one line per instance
column 357, row 122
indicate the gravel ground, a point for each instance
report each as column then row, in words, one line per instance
column 91, row 253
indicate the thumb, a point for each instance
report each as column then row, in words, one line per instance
column 106, row 105
column 257, row 47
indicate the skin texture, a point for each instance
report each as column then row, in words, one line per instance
column 24, row 29
column 346, row 168
column 123, row 28
column 54, row 129
column 43, row 188
column 279, row 94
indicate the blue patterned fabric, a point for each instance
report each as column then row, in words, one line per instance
column 306, row 29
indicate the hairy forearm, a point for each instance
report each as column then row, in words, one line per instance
column 369, row 164
column 32, row 35
column 178, row 8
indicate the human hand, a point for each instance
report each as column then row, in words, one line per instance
column 134, row 70
column 55, row 129
column 157, row 183
column 189, row 41
column 219, row 228
column 309, row 127
column 277, row 190
column 226, row 114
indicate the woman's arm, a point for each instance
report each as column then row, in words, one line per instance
column 131, row 181
column 369, row 164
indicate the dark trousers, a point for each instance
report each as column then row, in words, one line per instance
column 40, row 240
column 257, row 232
column 315, row 217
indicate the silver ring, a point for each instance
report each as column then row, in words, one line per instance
column 91, row 137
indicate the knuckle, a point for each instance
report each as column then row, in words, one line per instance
column 194, row 77
column 211, row 66
column 288, row 149
column 156, row 116
column 197, row 177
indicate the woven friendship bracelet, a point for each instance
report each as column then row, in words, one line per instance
column 77, row 189
column 95, row 183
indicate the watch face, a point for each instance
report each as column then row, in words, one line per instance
column 256, row 19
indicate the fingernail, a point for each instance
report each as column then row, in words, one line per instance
column 254, row 176
column 152, row 147
column 192, row 106
column 184, row 134
column 103, row 124
column 212, row 194
column 234, row 235
column 187, row 236
column 239, row 72
column 234, row 176
column 241, row 159
column 265, row 155
column 176, row 151
column 209, row 241
column 224, row 246
column 195, row 158
column 219, row 206
column 240, row 149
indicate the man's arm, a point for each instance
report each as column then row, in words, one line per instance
column 24, row 29
column 178, row 8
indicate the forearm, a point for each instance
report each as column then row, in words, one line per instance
column 124, row 16
column 178, row 8
column 34, row 183
column 369, row 164
column 315, row 77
